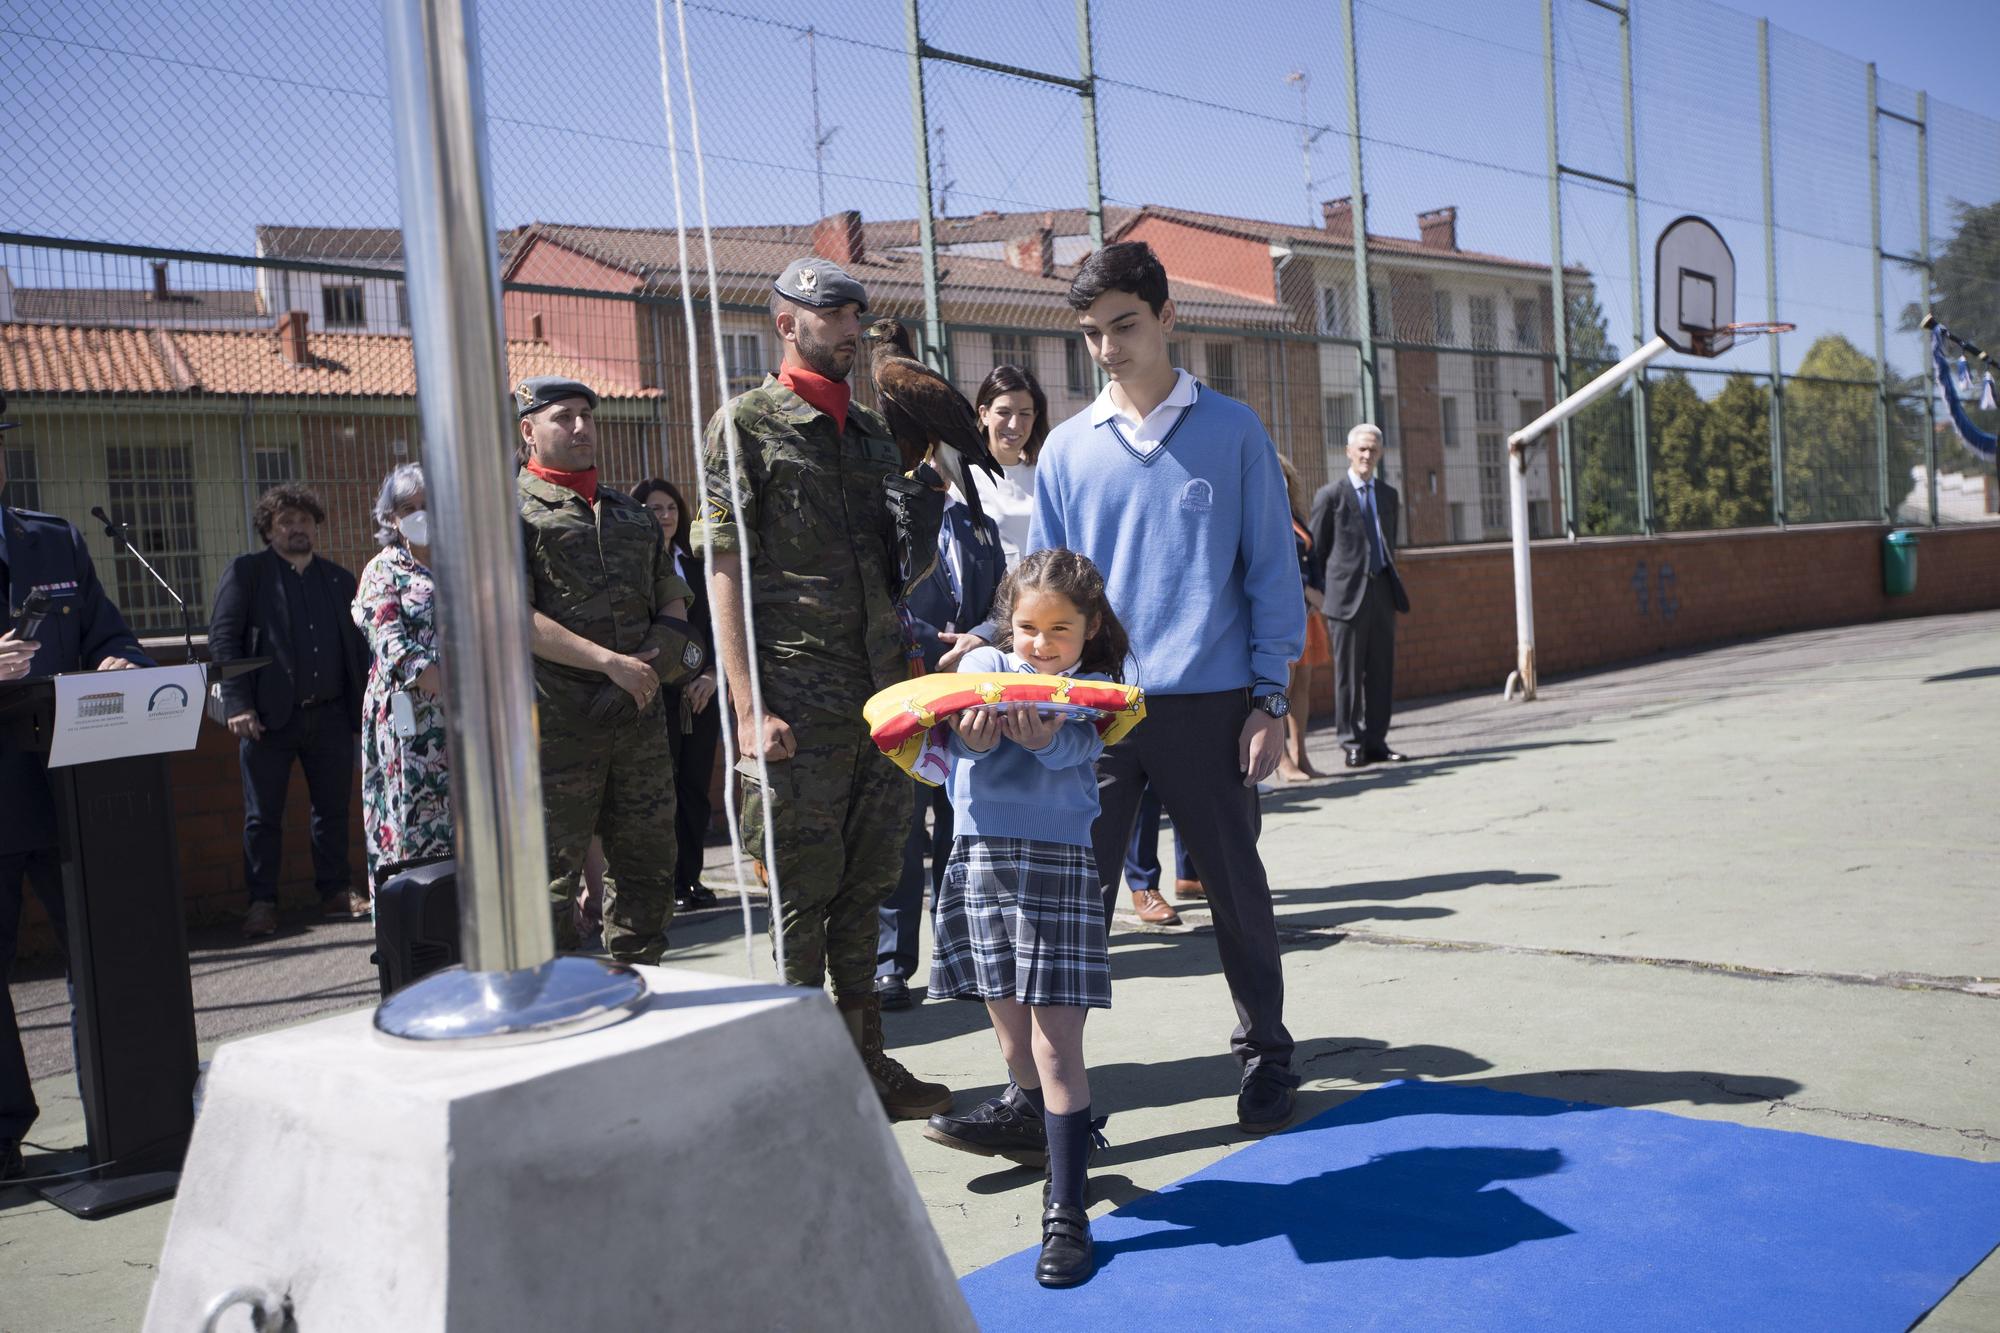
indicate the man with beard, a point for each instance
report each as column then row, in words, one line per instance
column 804, row 519
column 290, row 605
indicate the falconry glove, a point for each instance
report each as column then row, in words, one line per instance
column 917, row 505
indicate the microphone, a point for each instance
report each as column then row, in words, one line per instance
column 121, row 533
column 33, row 612
column 115, row 531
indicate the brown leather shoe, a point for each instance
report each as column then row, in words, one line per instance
column 1189, row 891
column 1151, row 908
column 261, row 920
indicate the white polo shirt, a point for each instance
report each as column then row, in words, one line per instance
column 1145, row 436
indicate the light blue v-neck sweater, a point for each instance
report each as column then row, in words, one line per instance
column 1194, row 539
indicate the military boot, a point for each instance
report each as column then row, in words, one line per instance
column 904, row 1095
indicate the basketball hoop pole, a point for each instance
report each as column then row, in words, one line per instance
column 1517, row 486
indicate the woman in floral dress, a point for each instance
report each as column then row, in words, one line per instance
column 405, row 783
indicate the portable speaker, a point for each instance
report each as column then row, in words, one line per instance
column 416, row 922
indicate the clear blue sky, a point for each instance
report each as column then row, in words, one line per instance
column 187, row 125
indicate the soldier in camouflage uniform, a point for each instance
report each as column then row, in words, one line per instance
column 598, row 576
column 820, row 545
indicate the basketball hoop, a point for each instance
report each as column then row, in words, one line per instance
column 1711, row 342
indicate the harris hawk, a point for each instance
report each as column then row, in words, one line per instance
column 932, row 421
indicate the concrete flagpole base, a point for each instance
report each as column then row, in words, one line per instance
column 719, row 1161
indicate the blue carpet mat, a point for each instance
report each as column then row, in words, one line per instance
column 1431, row 1206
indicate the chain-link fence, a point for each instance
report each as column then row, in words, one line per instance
column 200, row 271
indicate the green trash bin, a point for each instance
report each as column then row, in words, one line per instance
column 1899, row 563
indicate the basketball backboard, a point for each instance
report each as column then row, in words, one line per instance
column 1694, row 288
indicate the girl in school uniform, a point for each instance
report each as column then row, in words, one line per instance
column 1020, row 924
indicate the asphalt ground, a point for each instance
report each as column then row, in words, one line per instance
column 1754, row 884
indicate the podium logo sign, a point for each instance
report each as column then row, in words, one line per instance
column 110, row 714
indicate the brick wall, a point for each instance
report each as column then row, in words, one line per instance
column 1606, row 600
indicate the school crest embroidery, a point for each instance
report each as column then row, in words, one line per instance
column 1198, row 496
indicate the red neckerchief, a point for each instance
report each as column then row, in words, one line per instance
column 584, row 483
column 828, row 396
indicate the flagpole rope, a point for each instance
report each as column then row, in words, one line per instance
column 732, row 455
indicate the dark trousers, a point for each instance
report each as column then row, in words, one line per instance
column 1364, row 668
column 694, row 765
column 43, row 870
column 1186, row 749
column 320, row 741
column 901, row 919
column 1142, row 858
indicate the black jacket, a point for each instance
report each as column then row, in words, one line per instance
column 1340, row 546
column 81, row 629
column 253, row 619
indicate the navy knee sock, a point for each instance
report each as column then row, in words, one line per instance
column 1033, row 1096
column 1069, row 1155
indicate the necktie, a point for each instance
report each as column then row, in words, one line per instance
column 1376, row 558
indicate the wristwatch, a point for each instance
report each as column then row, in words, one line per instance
column 1274, row 704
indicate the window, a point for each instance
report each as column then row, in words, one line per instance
column 1333, row 312
column 1177, row 355
column 1339, row 418
column 151, row 488
column 743, row 358
column 1492, row 483
column 343, row 307
column 274, row 466
column 1222, row 369
column 24, row 481
column 1379, row 323
column 1461, row 522
column 1014, row 349
column 1485, row 325
column 1441, row 324
column 1392, row 429
column 403, row 305
column 1485, row 391
column 1530, row 409
column 1538, row 518
column 1448, row 421
column 1527, row 326
column 1076, row 366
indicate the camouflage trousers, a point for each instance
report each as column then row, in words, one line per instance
column 617, row 781
column 839, row 812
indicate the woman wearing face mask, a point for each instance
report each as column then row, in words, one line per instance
column 405, row 788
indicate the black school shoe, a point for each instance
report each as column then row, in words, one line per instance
column 997, row 1127
column 11, row 1165
column 1265, row 1103
column 1068, row 1257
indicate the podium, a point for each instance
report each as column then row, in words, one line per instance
column 134, row 1003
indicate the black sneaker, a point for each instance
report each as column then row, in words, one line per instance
column 1265, row 1103
column 997, row 1127
column 893, row 992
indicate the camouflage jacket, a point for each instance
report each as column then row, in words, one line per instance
column 819, row 540
column 601, row 573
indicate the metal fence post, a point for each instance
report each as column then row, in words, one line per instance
column 934, row 344
column 1086, row 54
column 1924, row 249
column 1371, row 388
column 1559, row 320
column 1642, row 484
column 1771, row 276
column 1886, row 510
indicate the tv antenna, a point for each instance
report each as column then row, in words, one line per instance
column 821, row 137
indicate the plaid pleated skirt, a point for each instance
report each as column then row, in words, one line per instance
column 1021, row 920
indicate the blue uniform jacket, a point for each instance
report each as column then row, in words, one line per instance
column 934, row 603
column 82, row 628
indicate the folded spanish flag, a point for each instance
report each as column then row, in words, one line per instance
column 907, row 720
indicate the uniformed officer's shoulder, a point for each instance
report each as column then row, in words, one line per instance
column 611, row 496
column 870, row 420
column 35, row 518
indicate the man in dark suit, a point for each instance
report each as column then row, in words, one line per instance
column 1353, row 564
column 80, row 631
column 956, row 597
column 289, row 605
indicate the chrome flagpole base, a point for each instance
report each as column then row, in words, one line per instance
column 564, row 996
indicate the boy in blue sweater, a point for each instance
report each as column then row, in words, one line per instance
column 1174, row 491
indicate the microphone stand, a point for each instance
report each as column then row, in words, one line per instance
column 116, row 532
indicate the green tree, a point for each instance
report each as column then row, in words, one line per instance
column 1600, row 435
column 1830, row 436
